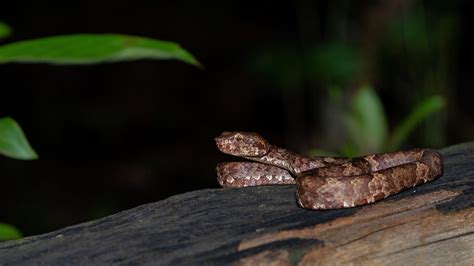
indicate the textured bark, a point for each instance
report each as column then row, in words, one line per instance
column 430, row 224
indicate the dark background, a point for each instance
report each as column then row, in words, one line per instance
column 114, row 136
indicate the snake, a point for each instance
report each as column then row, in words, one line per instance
column 324, row 183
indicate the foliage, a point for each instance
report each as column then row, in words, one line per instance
column 92, row 49
column 5, row 30
column 9, row 232
column 77, row 49
column 365, row 118
column 408, row 51
column 333, row 64
column 423, row 110
column 73, row 50
column 367, row 123
column 13, row 142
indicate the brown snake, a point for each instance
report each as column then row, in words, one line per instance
column 325, row 182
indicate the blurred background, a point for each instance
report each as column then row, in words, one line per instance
column 318, row 77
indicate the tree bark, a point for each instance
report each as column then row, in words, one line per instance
column 429, row 224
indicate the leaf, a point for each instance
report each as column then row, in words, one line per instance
column 92, row 49
column 9, row 232
column 13, row 142
column 5, row 30
column 366, row 121
column 424, row 109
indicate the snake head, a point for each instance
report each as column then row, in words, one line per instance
column 242, row 144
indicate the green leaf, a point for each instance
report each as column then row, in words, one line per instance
column 5, row 30
column 13, row 142
column 424, row 109
column 366, row 121
column 92, row 49
column 9, row 232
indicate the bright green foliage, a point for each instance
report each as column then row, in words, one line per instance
column 9, row 232
column 91, row 49
column 367, row 124
column 13, row 142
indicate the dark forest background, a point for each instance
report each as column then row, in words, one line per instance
column 301, row 73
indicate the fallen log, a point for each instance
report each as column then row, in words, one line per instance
column 430, row 224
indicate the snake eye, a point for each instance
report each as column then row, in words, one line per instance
column 242, row 144
column 238, row 137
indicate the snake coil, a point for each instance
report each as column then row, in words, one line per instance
column 324, row 182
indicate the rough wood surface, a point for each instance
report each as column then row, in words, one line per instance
column 431, row 224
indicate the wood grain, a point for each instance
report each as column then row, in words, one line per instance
column 430, row 224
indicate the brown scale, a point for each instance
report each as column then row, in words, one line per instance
column 325, row 182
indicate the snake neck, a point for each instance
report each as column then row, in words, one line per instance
column 293, row 162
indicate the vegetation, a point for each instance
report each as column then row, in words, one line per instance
column 72, row 50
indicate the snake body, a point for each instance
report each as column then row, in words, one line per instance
column 324, row 182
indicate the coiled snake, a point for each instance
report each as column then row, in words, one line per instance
column 324, row 182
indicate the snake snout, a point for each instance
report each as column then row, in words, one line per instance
column 242, row 144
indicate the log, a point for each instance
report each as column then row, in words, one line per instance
column 429, row 224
